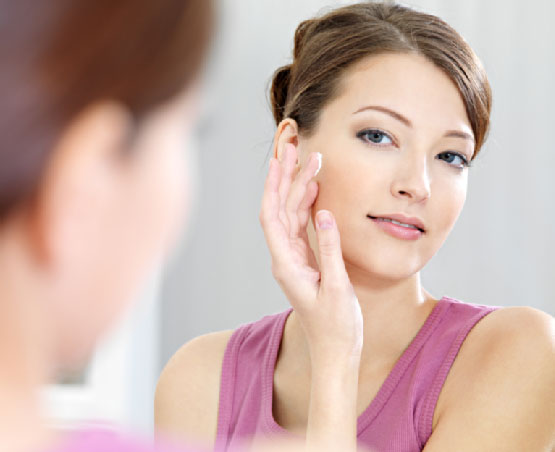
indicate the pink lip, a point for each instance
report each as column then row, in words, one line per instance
column 398, row 231
column 402, row 219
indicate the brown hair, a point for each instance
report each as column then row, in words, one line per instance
column 59, row 56
column 326, row 46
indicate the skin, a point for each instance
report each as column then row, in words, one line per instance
column 348, row 280
column 58, row 292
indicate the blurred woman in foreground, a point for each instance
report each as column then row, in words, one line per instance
column 97, row 100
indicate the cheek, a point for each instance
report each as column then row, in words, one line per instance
column 154, row 204
column 166, row 197
column 447, row 202
column 141, row 221
column 350, row 184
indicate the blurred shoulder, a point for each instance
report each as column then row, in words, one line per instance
column 113, row 440
column 187, row 393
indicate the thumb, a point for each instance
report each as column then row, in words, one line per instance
column 332, row 267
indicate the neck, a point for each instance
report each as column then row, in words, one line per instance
column 393, row 311
column 23, row 354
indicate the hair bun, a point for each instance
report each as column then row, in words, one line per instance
column 278, row 93
column 282, row 76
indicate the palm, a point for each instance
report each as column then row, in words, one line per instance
column 302, row 253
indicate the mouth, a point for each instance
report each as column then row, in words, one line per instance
column 402, row 221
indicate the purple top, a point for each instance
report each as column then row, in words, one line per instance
column 399, row 419
column 103, row 440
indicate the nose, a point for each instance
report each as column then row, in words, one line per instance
column 411, row 180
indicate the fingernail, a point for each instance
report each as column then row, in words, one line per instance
column 324, row 219
column 319, row 156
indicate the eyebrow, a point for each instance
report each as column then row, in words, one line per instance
column 399, row 117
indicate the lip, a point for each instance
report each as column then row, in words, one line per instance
column 402, row 219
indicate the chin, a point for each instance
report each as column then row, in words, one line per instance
column 383, row 265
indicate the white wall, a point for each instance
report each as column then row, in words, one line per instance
column 500, row 253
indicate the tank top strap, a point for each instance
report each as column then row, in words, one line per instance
column 242, row 387
column 459, row 319
column 227, row 384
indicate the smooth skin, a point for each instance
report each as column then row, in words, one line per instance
column 394, row 140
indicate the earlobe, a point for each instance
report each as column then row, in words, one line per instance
column 287, row 133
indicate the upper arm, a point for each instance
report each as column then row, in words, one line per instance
column 501, row 387
column 187, row 393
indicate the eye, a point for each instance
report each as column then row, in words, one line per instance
column 374, row 136
column 454, row 159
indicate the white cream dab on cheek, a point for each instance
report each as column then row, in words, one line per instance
column 319, row 163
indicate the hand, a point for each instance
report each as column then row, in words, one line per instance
column 323, row 298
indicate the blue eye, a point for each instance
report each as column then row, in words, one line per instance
column 455, row 159
column 374, row 136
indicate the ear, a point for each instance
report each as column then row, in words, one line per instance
column 81, row 180
column 286, row 133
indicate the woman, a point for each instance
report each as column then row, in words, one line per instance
column 378, row 117
column 97, row 101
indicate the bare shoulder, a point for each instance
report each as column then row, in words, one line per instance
column 501, row 386
column 527, row 324
column 187, row 393
column 510, row 335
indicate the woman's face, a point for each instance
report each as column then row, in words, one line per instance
column 394, row 142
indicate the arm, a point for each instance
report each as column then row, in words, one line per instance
column 502, row 387
column 187, row 393
column 332, row 419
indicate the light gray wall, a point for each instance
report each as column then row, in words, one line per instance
column 500, row 253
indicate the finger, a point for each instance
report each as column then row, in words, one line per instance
column 312, row 262
column 306, row 204
column 270, row 196
column 288, row 164
column 274, row 230
column 298, row 192
column 285, row 268
column 332, row 267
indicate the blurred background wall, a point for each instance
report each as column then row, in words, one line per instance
column 501, row 251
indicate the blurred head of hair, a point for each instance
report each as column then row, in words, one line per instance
column 60, row 56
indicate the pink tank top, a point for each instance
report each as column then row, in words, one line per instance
column 399, row 419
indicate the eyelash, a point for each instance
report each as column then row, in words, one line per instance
column 363, row 133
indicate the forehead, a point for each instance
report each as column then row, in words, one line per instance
column 407, row 83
